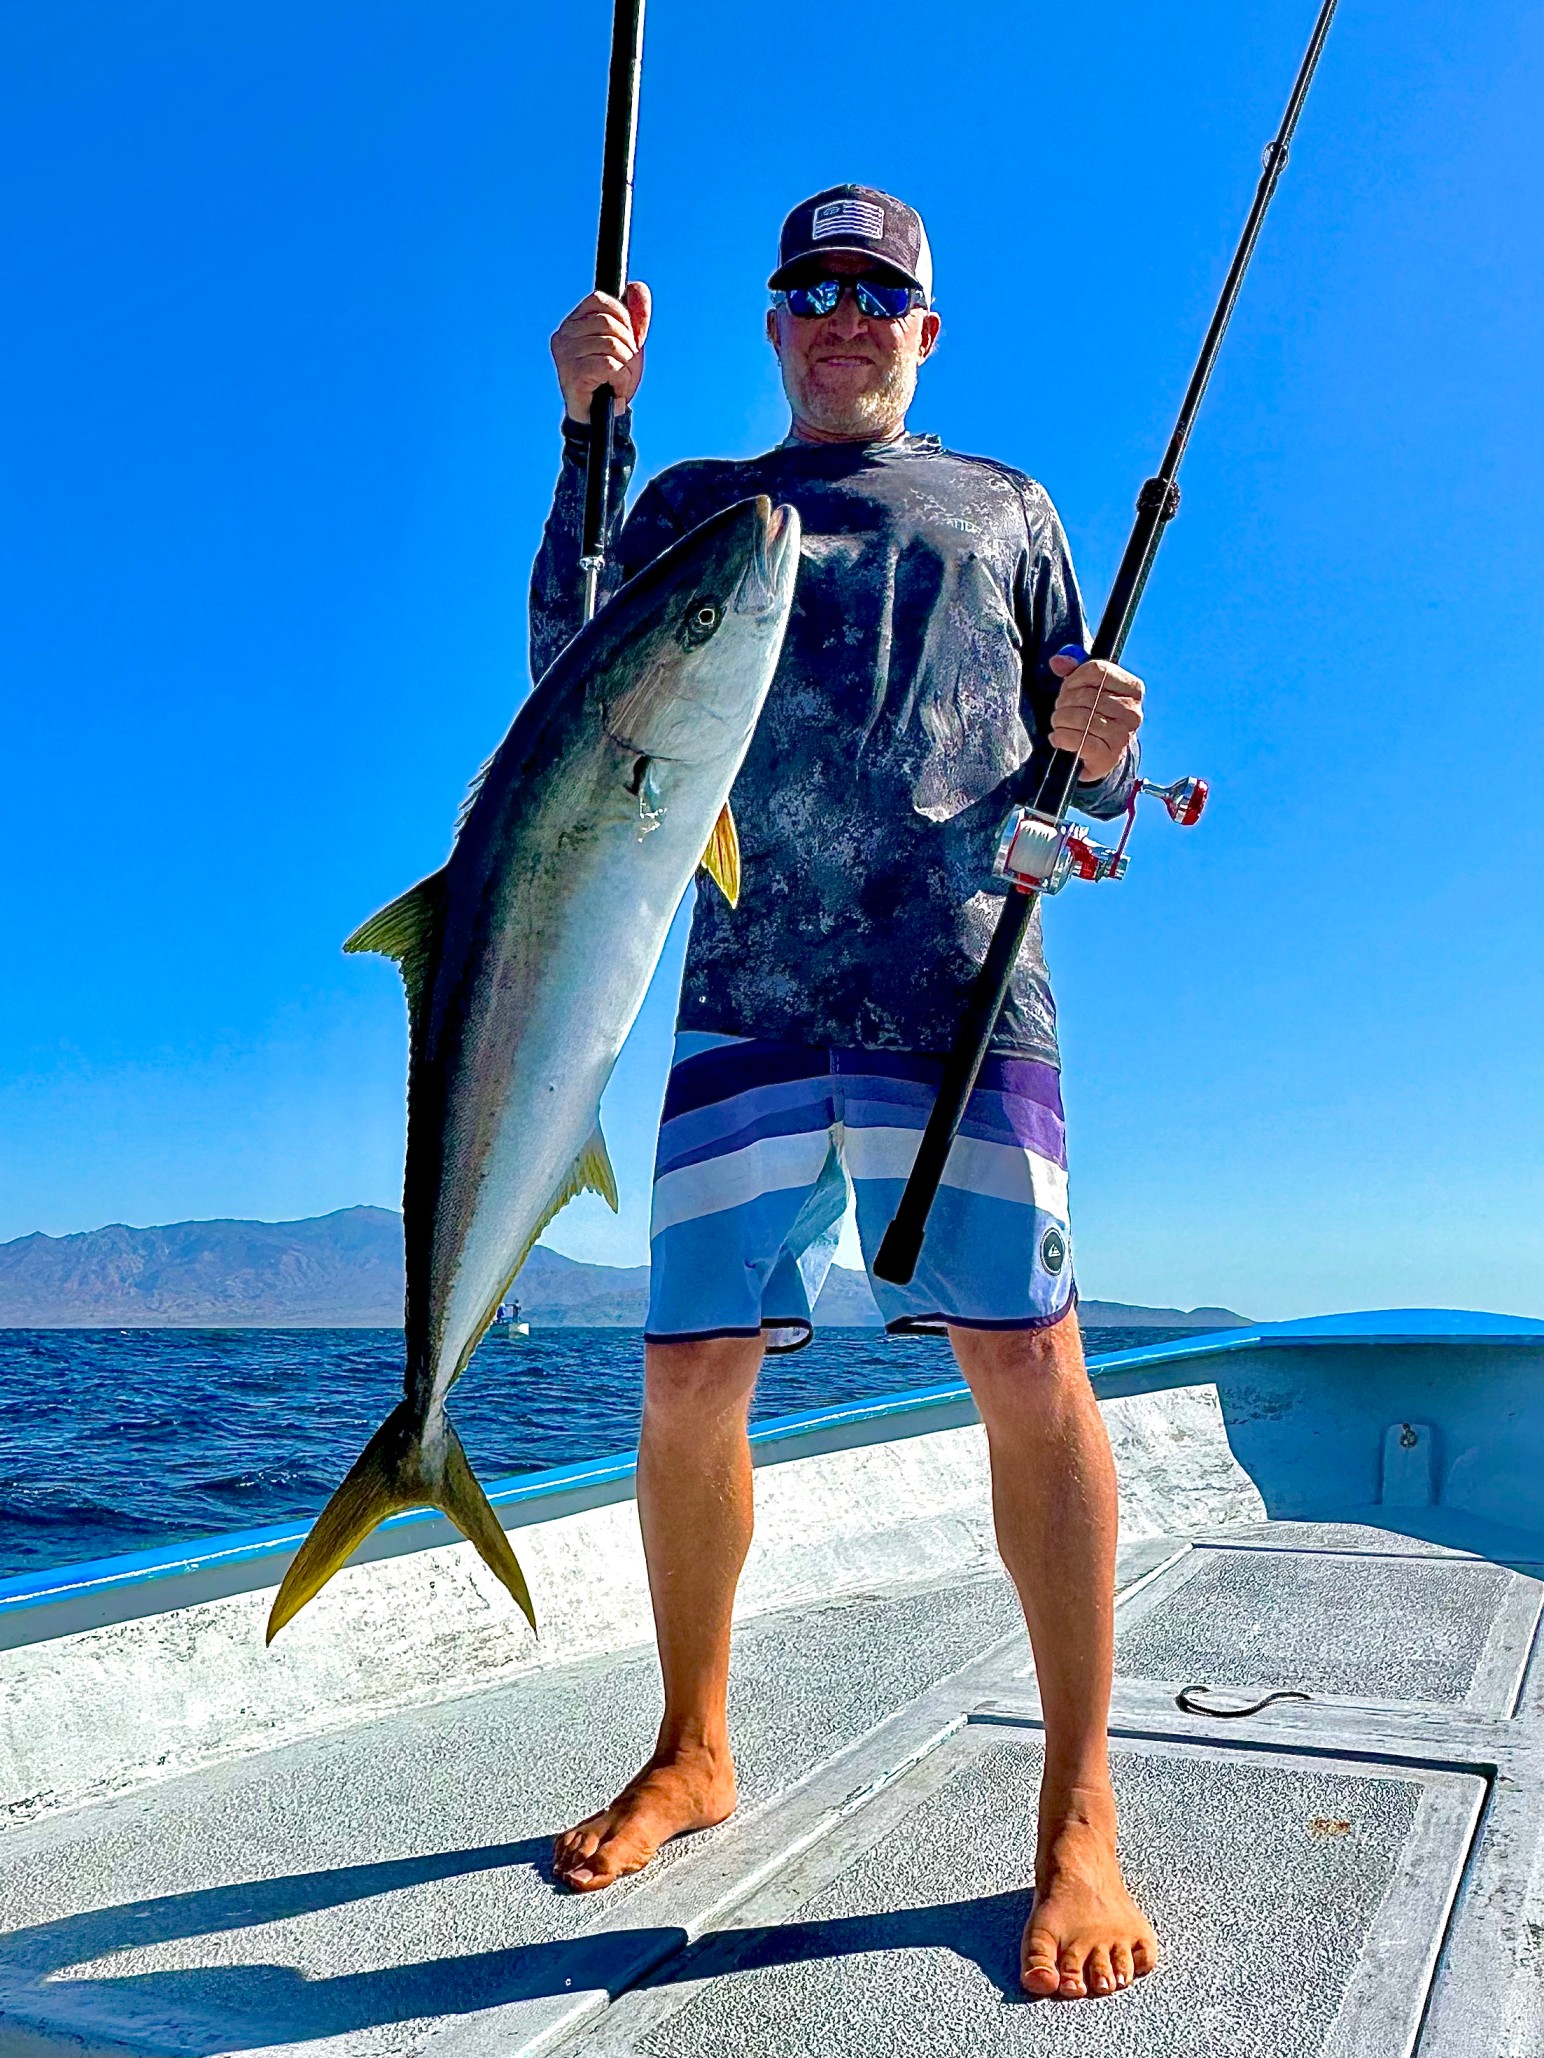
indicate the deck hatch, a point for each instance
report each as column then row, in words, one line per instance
column 1441, row 1631
column 1304, row 1899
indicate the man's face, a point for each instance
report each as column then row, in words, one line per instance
column 848, row 375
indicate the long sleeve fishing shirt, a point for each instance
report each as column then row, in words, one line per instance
column 909, row 712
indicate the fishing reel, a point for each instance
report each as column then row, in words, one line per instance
column 1038, row 854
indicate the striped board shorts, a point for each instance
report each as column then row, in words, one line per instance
column 760, row 1146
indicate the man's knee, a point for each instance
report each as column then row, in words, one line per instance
column 704, row 1372
column 1055, row 1351
column 1010, row 1371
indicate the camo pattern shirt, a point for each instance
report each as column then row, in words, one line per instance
column 908, row 714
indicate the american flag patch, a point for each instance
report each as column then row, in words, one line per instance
column 848, row 218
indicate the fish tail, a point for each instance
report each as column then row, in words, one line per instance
column 463, row 1500
column 397, row 1470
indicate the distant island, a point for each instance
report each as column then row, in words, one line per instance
column 344, row 1271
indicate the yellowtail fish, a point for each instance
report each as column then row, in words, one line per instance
column 526, row 959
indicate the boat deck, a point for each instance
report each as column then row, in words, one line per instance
column 1356, row 1871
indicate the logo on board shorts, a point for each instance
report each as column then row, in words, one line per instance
column 1053, row 1250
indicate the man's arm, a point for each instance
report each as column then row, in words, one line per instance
column 651, row 527
column 557, row 610
column 1094, row 709
column 599, row 344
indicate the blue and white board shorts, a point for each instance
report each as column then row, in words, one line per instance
column 759, row 1145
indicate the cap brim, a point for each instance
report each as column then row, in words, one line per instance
column 795, row 265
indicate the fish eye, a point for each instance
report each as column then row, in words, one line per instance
column 702, row 618
column 640, row 773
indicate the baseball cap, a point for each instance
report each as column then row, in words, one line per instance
column 856, row 221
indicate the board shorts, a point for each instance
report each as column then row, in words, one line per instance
column 760, row 1145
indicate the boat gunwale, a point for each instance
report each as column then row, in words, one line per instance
column 542, row 1496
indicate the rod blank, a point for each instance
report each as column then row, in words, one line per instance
column 618, row 156
column 1157, row 504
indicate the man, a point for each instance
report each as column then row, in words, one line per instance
column 916, row 697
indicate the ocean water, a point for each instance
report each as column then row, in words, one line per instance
column 117, row 1440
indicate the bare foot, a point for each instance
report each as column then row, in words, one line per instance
column 689, row 1787
column 1085, row 1935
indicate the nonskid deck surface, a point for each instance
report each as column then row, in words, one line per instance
column 364, row 1885
column 918, row 1932
column 1357, row 1873
column 1302, row 1865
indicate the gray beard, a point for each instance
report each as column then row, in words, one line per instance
column 878, row 412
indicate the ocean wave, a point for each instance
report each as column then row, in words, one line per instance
column 115, row 1441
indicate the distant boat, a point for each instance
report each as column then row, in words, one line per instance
column 508, row 1321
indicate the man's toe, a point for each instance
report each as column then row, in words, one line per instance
column 573, row 1853
column 1098, row 1972
column 621, row 1852
column 1120, row 1961
column 1039, row 1974
column 583, row 1836
column 593, row 1867
column 1144, row 1955
column 1073, row 1986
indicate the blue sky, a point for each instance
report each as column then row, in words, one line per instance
column 280, row 430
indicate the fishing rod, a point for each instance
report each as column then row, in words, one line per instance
column 616, row 220
column 1040, row 850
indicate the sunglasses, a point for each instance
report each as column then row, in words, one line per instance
column 877, row 298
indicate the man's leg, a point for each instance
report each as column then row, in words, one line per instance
column 1053, row 1496
column 694, row 1506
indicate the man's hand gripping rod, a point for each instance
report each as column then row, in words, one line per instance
column 1040, row 851
column 616, row 216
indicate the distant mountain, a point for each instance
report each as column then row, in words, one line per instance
column 561, row 1293
column 344, row 1271
column 1127, row 1315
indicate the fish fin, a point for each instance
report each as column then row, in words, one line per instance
column 407, row 930
column 593, row 1171
column 589, row 1173
column 721, row 859
column 390, row 1474
column 479, row 780
column 375, row 1487
column 463, row 1500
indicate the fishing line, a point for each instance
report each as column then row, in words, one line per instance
column 1087, row 728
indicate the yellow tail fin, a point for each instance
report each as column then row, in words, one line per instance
column 393, row 1472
